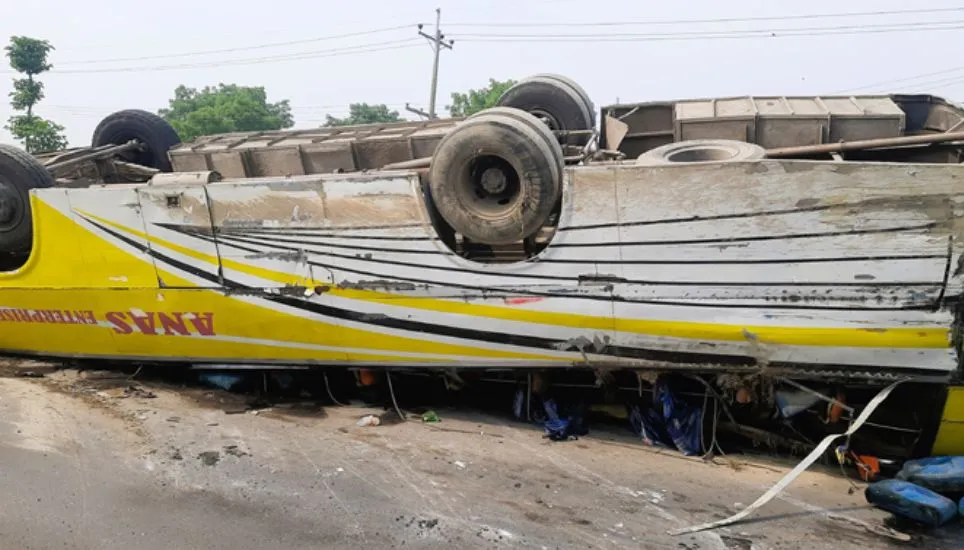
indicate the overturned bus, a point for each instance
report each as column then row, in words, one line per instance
column 739, row 240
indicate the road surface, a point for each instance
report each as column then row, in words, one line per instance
column 84, row 465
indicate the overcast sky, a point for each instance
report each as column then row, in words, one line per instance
column 155, row 48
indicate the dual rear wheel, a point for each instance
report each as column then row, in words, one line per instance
column 496, row 177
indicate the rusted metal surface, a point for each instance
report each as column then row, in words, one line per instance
column 312, row 151
column 174, row 178
column 424, row 162
column 98, row 162
column 925, row 139
column 777, row 122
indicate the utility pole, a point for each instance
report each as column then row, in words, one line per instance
column 438, row 42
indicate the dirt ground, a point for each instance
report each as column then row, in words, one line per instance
column 87, row 463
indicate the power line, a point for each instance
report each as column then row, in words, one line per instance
column 933, row 84
column 296, row 107
column 876, row 85
column 915, row 24
column 334, row 52
column 713, row 35
column 710, row 21
column 237, row 49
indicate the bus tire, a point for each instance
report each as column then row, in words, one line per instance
column 19, row 173
column 554, row 101
column 548, row 137
column 494, row 179
column 579, row 90
column 155, row 133
column 701, row 151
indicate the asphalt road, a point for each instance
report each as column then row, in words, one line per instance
column 82, row 466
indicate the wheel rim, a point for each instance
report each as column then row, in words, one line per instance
column 490, row 186
column 11, row 206
column 548, row 119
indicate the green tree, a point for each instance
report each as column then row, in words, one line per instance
column 363, row 113
column 474, row 101
column 225, row 108
column 28, row 56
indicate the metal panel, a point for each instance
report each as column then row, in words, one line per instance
column 114, row 215
column 771, row 121
column 178, row 221
column 242, row 213
column 783, row 244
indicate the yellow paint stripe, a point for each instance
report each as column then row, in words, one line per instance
column 950, row 434
column 793, row 336
column 373, row 339
column 923, row 337
column 266, row 274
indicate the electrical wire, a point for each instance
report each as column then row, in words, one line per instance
column 553, row 37
column 735, row 31
column 325, row 108
column 708, row 21
column 391, row 392
column 334, row 52
column 942, row 82
column 328, row 387
column 238, row 49
column 923, row 26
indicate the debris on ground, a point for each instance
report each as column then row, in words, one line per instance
column 911, row 501
column 671, row 423
column 430, row 416
column 30, row 374
column 559, row 428
column 127, row 391
column 137, row 391
column 923, row 491
column 867, row 467
column 942, row 474
column 560, row 422
column 817, row 452
column 222, row 380
column 368, row 420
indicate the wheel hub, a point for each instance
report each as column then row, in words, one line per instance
column 490, row 186
column 546, row 119
column 494, row 181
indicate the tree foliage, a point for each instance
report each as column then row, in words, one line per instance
column 473, row 101
column 28, row 56
column 225, row 108
column 363, row 113
column 37, row 134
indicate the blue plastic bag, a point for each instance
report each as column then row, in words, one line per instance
column 682, row 422
column 911, row 501
column 224, row 380
column 944, row 474
column 671, row 423
column 559, row 428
